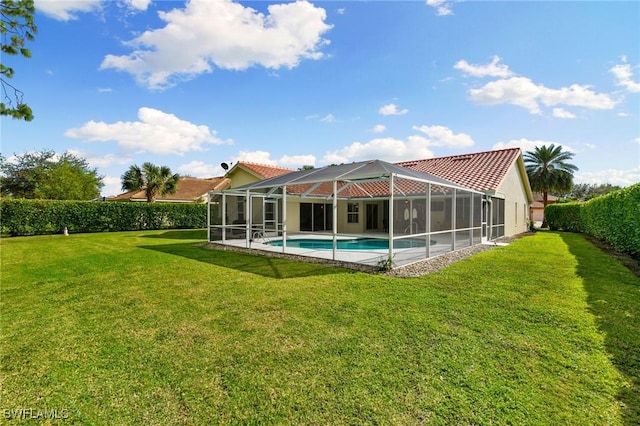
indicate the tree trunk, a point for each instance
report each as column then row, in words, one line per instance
column 545, row 200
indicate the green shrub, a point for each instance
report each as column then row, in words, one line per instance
column 615, row 218
column 564, row 217
column 38, row 217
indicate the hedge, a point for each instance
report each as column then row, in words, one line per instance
column 38, row 217
column 614, row 218
column 564, row 216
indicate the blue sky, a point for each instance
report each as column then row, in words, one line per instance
column 193, row 84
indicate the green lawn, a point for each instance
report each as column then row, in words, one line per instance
column 149, row 328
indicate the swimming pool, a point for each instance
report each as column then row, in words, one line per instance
column 351, row 244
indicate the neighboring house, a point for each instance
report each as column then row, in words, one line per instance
column 190, row 190
column 537, row 207
column 410, row 210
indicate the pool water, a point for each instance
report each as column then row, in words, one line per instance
column 353, row 244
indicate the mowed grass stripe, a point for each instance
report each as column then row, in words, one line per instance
column 149, row 327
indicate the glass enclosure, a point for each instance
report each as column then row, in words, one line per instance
column 412, row 219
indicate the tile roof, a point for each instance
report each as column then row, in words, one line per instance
column 189, row 189
column 482, row 171
column 264, row 171
column 538, row 196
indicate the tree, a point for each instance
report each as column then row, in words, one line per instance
column 548, row 170
column 16, row 27
column 49, row 176
column 154, row 180
column 585, row 191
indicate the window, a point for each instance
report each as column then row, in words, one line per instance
column 316, row 217
column 241, row 208
column 353, row 212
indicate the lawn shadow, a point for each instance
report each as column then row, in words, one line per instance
column 267, row 266
column 180, row 234
column 615, row 302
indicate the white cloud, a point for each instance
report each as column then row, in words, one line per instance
column 155, row 131
column 329, row 118
column 624, row 77
column 264, row 157
column 562, row 113
column 341, row 11
column 612, row 176
column 529, row 145
column 261, row 157
column 442, row 7
column 392, row 109
column 66, row 10
column 523, row 92
column 138, row 4
column 112, row 186
column 200, row 169
column 223, row 34
column 296, row 160
column 379, row 128
column 387, row 149
column 492, row 69
column 101, row 162
column 443, row 136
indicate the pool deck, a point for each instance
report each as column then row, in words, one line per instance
column 370, row 257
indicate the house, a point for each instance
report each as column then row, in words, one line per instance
column 374, row 211
column 537, row 207
column 499, row 174
column 244, row 172
column 189, row 190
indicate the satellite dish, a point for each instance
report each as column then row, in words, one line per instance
column 225, row 166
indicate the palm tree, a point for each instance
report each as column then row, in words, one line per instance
column 154, row 180
column 548, row 170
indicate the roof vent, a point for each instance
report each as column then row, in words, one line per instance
column 463, row 157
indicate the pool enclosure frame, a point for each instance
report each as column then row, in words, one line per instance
column 420, row 215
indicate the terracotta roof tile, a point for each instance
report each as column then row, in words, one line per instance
column 482, row 171
column 189, row 190
column 265, row 171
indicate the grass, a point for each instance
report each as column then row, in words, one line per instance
column 149, row 328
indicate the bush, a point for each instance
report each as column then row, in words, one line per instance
column 613, row 218
column 37, row 217
column 564, row 216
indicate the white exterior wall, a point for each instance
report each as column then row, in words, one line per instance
column 293, row 214
column 516, row 205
